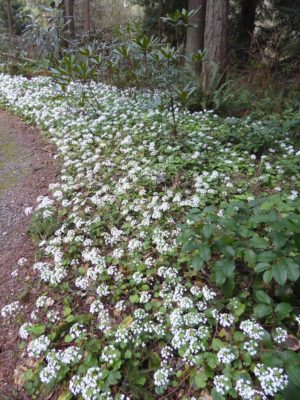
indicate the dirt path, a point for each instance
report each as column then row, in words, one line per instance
column 26, row 169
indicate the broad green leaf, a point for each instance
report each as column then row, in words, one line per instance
column 267, row 276
column 208, row 230
column 293, row 269
column 294, row 374
column 262, row 297
column 199, row 379
column 204, row 252
column 197, row 263
column 217, row 344
column 37, row 329
column 261, row 267
column 228, row 267
column 279, row 273
column 262, row 310
column 250, row 257
column 283, row 309
column 258, row 242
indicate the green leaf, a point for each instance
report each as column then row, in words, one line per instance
column 37, row 329
column 262, row 297
column 68, row 339
column 270, row 359
column 140, row 379
column 279, row 273
column 228, row 267
column 70, row 318
column 208, row 230
column 262, row 310
column 205, row 252
column 258, row 242
column 261, row 267
column 67, row 311
column 113, row 377
column 197, row 263
column 283, row 309
column 297, row 240
column 128, row 354
column 250, row 257
column 293, row 269
column 199, row 380
column 220, row 277
column 294, row 374
column 217, row 344
column 134, row 298
column 267, row 276
column 211, row 360
column 228, row 251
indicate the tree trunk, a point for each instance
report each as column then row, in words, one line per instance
column 195, row 32
column 160, row 22
column 71, row 18
column 247, row 25
column 9, row 20
column 215, row 38
column 87, row 16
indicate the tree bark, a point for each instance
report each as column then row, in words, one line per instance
column 215, row 38
column 160, row 22
column 87, row 16
column 9, row 20
column 247, row 25
column 195, row 32
column 71, row 18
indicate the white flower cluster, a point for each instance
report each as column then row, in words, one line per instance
column 10, row 309
column 245, row 390
column 280, row 335
column 38, row 346
column 222, row 384
column 272, row 380
column 226, row 355
column 162, row 377
column 252, row 329
column 77, row 330
column 88, row 385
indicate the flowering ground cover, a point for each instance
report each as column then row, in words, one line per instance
column 140, row 298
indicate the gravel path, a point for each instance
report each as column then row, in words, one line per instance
column 26, row 169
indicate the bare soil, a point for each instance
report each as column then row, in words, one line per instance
column 26, row 169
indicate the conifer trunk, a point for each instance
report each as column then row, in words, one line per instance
column 215, row 38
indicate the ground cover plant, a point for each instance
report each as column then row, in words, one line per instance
column 169, row 263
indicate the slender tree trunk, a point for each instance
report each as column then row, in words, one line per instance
column 87, row 16
column 71, row 18
column 9, row 21
column 195, row 32
column 215, row 38
column 160, row 22
column 247, row 25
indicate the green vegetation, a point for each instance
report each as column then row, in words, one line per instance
column 168, row 250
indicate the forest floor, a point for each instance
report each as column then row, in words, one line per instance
column 26, row 169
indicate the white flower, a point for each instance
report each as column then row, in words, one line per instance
column 252, row 329
column 222, row 384
column 11, row 309
column 225, row 355
column 225, row 320
column 280, row 335
column 162, row 377
column 38, row 346
column 272, row 380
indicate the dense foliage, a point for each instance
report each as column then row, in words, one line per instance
column 169, row 262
